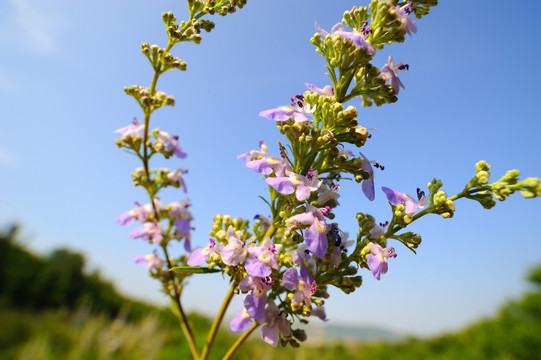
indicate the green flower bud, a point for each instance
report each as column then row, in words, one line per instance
column 299, row 334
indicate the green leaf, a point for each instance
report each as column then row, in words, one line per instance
column 194, row 269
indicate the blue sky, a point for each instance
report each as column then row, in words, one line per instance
column 471, row 93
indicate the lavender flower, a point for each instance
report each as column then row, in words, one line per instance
column 254, row 303
column 341, row 243
column 390, row 72
column 255, row 153
column 315, row 236
column 299, row 111
column 377, row 259
column 276, row 324
column 265, row 166
column 327, row 90
column 199, row 256
column 368, row 184
column 262, row 259
column 182, row 218
column 320, row 313
column 378, row 230
column 325, row 195
column 150, row 231
column 141, row 213
column 412, row 205
column 150, row 260
column 241, row 322
column 407, row 23
column 304, row 285
column 301, row 256
column 170, row 143
column 176, row 176
column 356, row 38
column 304, row 184
column 235, row 252
column 133, row 131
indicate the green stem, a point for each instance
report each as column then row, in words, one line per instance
column 217, row 321
column 239, row 341
column 184, row 324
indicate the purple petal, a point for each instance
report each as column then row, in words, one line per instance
column 281, row 184
column 269, row 334
column 316, row 240
column 137, row 233
column 320, row 313
column 374, row 264
column 183, row 227
column 241, row 322
column 394, row 197
column 261, row 166
column 255, row 267
column 290, row 279
column 125, row 219
column 320, row 30
column 299, row 116
column 255, row 306
column 337, row 27
column 197, row 257
column 303, row 192
column 368, row 188
column 277, row 114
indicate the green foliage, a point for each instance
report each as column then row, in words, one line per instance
column 57, row 281
column 69, row 330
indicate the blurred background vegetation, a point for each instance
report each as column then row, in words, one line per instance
column 51, row 308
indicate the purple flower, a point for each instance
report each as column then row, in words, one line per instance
column 304, row 184
column 169, row 142
column 235, row 252
column 327, row 90
column 276, row 323
column 254, row 303
column 412, row 205
column 377, row 259
column 390, row 72
column 325, row 195
column 265, row 166
column 131, row 131
column 176, row 176
column 299, row 111
column 368, row 184
column 407, row 23
column 182, row 217
column 141, row 213
column 341, row 243
column 320, row 313
column 254, row 153
column 304, row 285
column 356, row 38
column 241, row 322
column 150, row 231
column 265, row 221
column 301, row 256
column 378, row 230
column 315, row 236
column 199, row 256
column 150, row 260
column 262, row 259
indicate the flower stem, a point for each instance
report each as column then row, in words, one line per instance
column 217, row 321
column 239, row 341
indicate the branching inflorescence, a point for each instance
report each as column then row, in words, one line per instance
column 286, row 263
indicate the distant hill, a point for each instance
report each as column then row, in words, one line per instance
column 349, row 334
